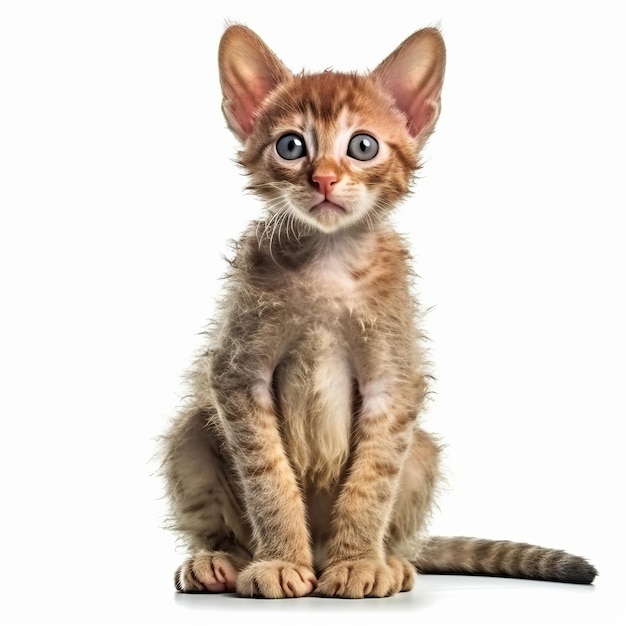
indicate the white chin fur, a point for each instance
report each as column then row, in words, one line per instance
column 329, row 221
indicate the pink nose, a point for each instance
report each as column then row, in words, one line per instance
column 324, row 182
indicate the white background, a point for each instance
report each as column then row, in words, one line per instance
column 118, row 195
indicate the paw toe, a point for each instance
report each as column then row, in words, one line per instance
column 276, row 579
column 360, row 578
column 213, row 572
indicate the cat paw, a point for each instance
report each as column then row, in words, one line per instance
column 403, row 569
column 208, row 571
column 276, row 579
column 362, row 578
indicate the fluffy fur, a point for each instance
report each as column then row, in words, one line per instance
column 298, row 464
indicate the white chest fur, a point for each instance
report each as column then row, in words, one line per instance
column 333, row 390
column 315, row 386
column 332, row 273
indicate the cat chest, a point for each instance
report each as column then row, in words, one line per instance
column 329, row 284
column 332, row 279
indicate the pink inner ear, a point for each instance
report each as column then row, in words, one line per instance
column 420, row 106
column 413, row 76
column 249, row 71
column 243, row 102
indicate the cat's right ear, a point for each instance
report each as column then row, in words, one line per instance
column 249, row 72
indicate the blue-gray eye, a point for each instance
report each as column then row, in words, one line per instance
column 363, row 147
column 291, row 146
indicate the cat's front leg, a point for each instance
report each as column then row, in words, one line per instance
column 282, row 563
column 357, row 564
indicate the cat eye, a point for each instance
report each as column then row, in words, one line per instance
column 290, row 147
column 363, row 147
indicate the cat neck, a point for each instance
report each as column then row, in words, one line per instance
column 292, row 248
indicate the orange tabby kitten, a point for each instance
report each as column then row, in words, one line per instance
column 298, row 464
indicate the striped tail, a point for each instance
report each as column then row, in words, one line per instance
column 485, row 557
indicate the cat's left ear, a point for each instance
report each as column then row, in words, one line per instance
column 249, row 71
column 413, row 75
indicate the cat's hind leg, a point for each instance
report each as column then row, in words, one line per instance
column 205, row 510
column 418, row 485
column 212, row 571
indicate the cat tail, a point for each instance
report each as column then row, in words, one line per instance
column 507, row 559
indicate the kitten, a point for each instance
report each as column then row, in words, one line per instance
column 298, row 464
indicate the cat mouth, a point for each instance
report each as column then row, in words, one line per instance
column 326, row 208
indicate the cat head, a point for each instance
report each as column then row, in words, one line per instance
column 330, row 150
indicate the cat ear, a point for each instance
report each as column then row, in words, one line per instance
column 413, row 75
column 249, row 71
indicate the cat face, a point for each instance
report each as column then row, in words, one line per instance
column 330, row 150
